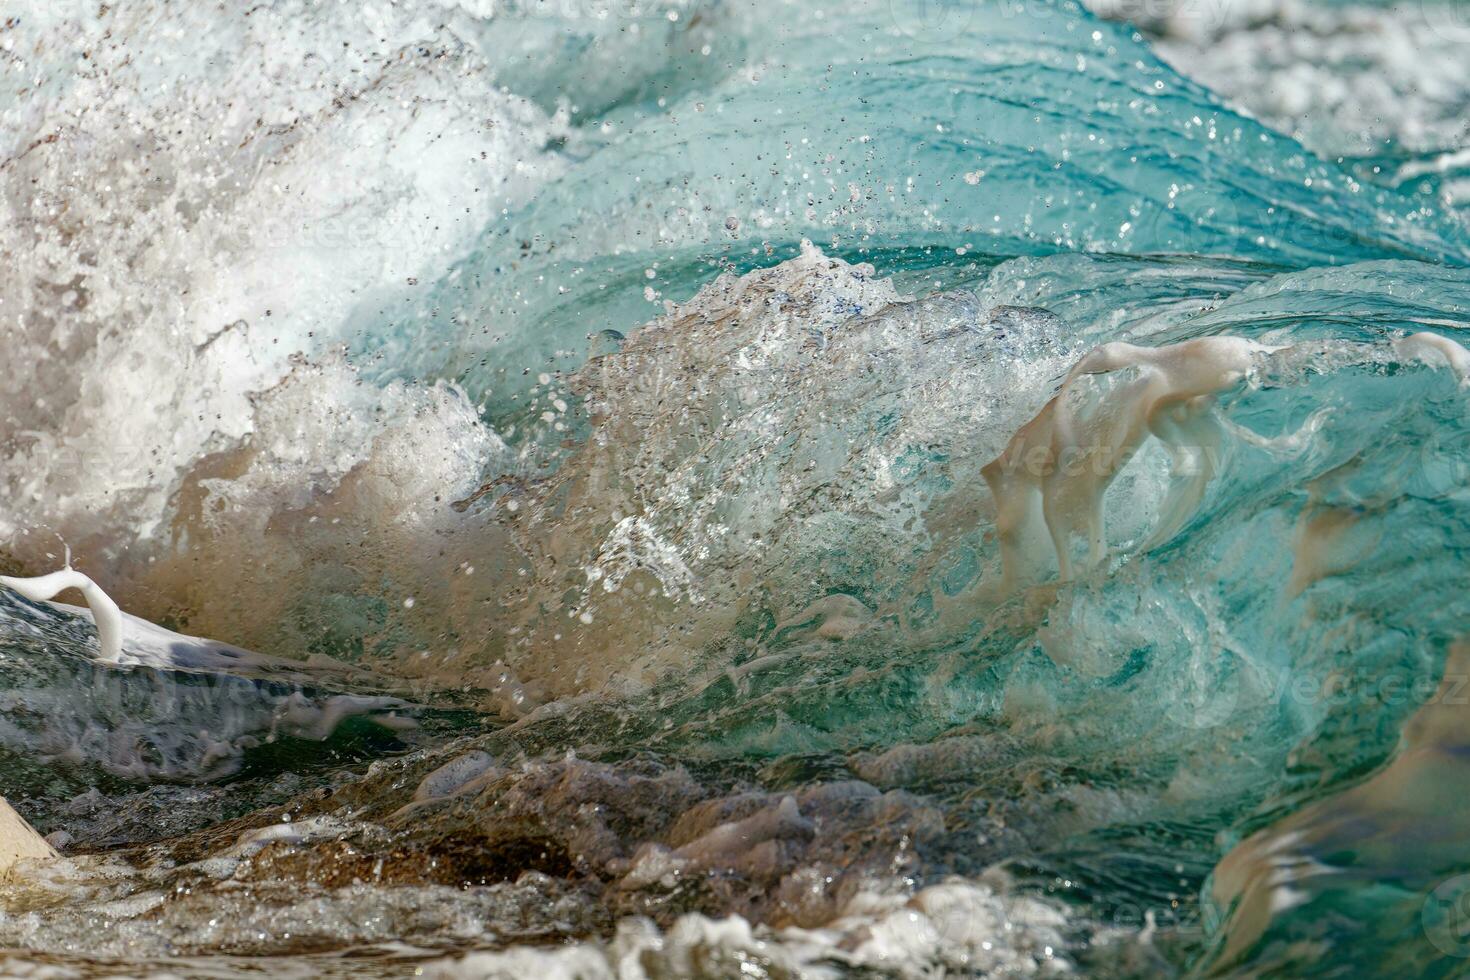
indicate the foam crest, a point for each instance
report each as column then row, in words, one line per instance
column 104, row 612
column 298, row 164
column 1055, row 472
column 951, row 926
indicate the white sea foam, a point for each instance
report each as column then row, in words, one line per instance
column 1359, row 79
column 298, row 164
column 959, row 925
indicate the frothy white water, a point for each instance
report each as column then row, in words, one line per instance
column 266, row 174
column 1358, row 79
column 960, row 925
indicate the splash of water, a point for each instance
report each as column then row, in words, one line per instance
column 893, row 488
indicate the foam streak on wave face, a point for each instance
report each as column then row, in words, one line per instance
column 1056, row 469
